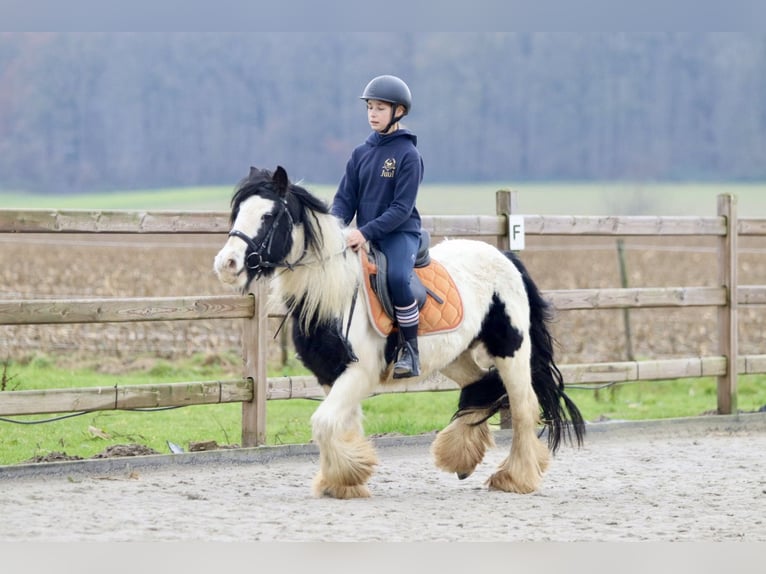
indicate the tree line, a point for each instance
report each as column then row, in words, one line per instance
column 100, row 111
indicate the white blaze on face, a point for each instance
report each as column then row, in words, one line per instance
column 229, row 263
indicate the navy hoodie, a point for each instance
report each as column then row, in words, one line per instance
column 380, row 185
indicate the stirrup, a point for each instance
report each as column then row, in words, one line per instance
column 408, row 364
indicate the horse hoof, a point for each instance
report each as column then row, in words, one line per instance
column 341, row 492
column 323, row 488
column 463, row 475
column 503, row 481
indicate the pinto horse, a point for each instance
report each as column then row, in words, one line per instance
column 499, row 354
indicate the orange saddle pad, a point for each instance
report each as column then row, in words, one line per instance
column 435, row 317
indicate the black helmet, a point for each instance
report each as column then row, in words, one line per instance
column 388, row 89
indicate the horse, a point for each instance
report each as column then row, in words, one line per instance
column 500, row 354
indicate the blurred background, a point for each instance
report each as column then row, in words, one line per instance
column 100, row 112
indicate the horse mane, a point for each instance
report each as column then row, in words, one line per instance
column 318, row 291
column 300, row 202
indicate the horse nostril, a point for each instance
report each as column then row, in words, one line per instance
column 231, row 264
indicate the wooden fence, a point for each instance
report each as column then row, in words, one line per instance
column 254, row 389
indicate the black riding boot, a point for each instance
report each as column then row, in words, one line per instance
column 408, row 364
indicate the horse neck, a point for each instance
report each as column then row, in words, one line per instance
column 325, row 282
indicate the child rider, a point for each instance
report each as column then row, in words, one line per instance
column 380, row 187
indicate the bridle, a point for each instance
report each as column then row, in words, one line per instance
column 254, row 259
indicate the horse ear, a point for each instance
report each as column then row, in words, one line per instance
column 253, row 171
column 280, row 179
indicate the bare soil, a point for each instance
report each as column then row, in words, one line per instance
column 116, row 450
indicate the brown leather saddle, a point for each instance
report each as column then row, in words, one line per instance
column 439, row 302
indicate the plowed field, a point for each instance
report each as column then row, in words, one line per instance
column 86, row 266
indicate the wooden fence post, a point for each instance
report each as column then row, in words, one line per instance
column 626, row 311
column 727, row 314
column 506, row 203
column 255, row 352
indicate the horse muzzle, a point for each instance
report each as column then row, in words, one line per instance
column 229, row 266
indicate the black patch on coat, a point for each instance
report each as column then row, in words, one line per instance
column 497, row 332
column 323, row 349
column 483, row 392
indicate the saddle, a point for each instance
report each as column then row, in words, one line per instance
column 439, row 302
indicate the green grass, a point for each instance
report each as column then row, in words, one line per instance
column 553, row 198
column 665, row 399
column 288, row 420
column 212, row 198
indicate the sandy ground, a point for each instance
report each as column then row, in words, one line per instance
column 701, row 479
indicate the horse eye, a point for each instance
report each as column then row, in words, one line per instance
column 268, row 217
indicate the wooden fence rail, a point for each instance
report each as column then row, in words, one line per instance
column 254, row 389
column 49, row 311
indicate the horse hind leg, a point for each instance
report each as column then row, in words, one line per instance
column 462, row 444
column 522, row 470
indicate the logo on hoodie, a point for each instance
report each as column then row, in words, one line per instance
column 389, row 168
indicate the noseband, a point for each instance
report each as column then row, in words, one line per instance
column 254, row 259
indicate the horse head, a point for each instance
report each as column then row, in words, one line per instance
column 270, row 228
column 262, row 225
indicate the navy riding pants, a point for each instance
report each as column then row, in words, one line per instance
column 400, row 249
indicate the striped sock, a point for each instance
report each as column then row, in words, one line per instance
column 407, row 316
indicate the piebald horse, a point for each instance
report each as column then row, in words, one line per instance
column 499, row 354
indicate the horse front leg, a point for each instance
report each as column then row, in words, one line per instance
column 346, row 458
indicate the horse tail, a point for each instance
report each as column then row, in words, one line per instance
column 560, row 414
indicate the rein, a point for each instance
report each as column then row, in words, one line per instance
column 348, row 323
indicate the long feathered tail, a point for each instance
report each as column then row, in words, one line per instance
column 560, row 415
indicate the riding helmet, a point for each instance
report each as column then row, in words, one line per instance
column 388, row 89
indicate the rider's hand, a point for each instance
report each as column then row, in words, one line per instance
column 355, row 239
